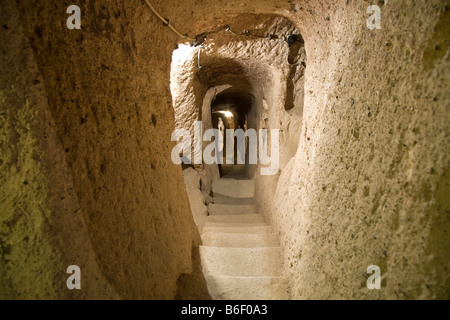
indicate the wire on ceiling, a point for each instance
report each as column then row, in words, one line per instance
column 201, row 38
column 167, row 23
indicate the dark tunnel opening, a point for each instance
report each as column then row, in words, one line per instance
column 230, row 110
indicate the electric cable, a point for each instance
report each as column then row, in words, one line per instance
column 201, row 38
column 166, row 23
column 198, row 62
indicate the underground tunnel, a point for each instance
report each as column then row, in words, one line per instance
column 268, row 150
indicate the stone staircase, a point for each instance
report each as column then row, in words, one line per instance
column 241, row 256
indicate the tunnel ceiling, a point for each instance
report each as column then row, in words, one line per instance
column 248, row 32
column 216, row 71
column 258, row 25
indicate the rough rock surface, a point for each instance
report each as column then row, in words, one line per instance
column 86, row 122
column 368, row 181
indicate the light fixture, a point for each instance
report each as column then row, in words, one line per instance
column 227, row 114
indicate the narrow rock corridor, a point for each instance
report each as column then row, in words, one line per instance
column 198, row 150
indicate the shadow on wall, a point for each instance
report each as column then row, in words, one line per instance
column 193, row 286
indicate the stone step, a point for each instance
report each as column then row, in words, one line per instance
column 247, row 288
column 221, row 199
column 235, row 224
column 234, row 188
column 248, row 262
column 236, row 218
column 235, row 171
column 239, row 240
column 241, row 229
column 231, row 209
